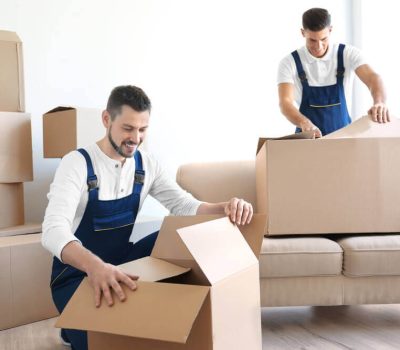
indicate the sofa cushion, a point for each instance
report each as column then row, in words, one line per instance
column 300, row 256
column 371, row 255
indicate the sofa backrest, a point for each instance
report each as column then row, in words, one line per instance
column 219, row 181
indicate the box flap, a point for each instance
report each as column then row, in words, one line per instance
column 365, row 127
column 218, row 247
column 59, row 109
column 152, row 269
column 254, row 232
column 9, row 36
column 160, row 311
column 169, row 245
column 296, row 136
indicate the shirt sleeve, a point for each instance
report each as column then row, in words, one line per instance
column 354, row 57
column 286, row 73
column 64, row 197
column 170, row 194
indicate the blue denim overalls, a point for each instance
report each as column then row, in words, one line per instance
column 325, row 106
column 105, row 230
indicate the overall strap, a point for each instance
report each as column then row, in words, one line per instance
column 138, row 184
column 300, row 70
column 340, row 66
column 91, row 177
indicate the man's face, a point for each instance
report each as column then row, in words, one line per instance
column 317, row 43
column 127, row 131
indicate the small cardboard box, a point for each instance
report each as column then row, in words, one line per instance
column 11, row 205
column 15, row 147
column 214, row 306
column 25, row 268
column 346, row 185
column 68, row 128
column 11, row 73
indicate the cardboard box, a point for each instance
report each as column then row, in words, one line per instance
column 214, row 306
column 366, row 127
column 25, row 268
column 15, row 147
column 11, row 73
column 11, row 205
column 68, row 128
column 25, row 229
column 347, row 185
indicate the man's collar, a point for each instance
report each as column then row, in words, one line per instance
column 310, row 58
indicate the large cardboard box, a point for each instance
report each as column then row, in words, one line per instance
column 216, row 305
column 68, row 128
column 346, row 185
column 25, row 268
column 11, row 73
column 11, row 205
column 15, row 147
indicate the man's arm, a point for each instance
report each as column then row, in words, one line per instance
column 379, row 111
column 239, row 211
column 288, row 109
column 102, row 276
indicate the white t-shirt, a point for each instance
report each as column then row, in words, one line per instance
column 321, row 71
column 68, row 194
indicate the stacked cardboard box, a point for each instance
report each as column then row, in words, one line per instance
column 24, row 263
column 15, row 132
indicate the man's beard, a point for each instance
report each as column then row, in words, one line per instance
column 119, row 149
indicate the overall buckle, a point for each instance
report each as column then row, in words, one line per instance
column 92, row 184
column 139, row 177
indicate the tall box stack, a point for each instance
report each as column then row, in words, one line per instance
column 15, row 132
column 24, row 263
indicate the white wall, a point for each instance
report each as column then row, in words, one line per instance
column 209, row 67
column 379, row 40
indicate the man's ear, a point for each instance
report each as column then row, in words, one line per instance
column 106, row 118
column 302, row 32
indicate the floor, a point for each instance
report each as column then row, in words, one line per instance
column 366, row 327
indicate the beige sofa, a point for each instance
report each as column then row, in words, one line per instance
column 306, row 270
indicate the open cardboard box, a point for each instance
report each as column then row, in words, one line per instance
column 331, row 185
column 199, row 289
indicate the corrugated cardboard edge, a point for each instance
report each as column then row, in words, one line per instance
column 25, row 229
column 21, row 82
column 306, row 135
column 6, row 35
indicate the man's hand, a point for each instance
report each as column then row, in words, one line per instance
column 379, row 113
column 307, row 125
column 239, row 211
column 105, row 277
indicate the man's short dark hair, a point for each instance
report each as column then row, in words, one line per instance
column 316, row 19
column 129, row 95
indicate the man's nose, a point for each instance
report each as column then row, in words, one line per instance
column 135, row 137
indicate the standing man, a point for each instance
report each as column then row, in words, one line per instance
column 318, row 78
column 94, row 200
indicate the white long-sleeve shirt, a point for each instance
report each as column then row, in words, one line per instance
column 68, row 194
